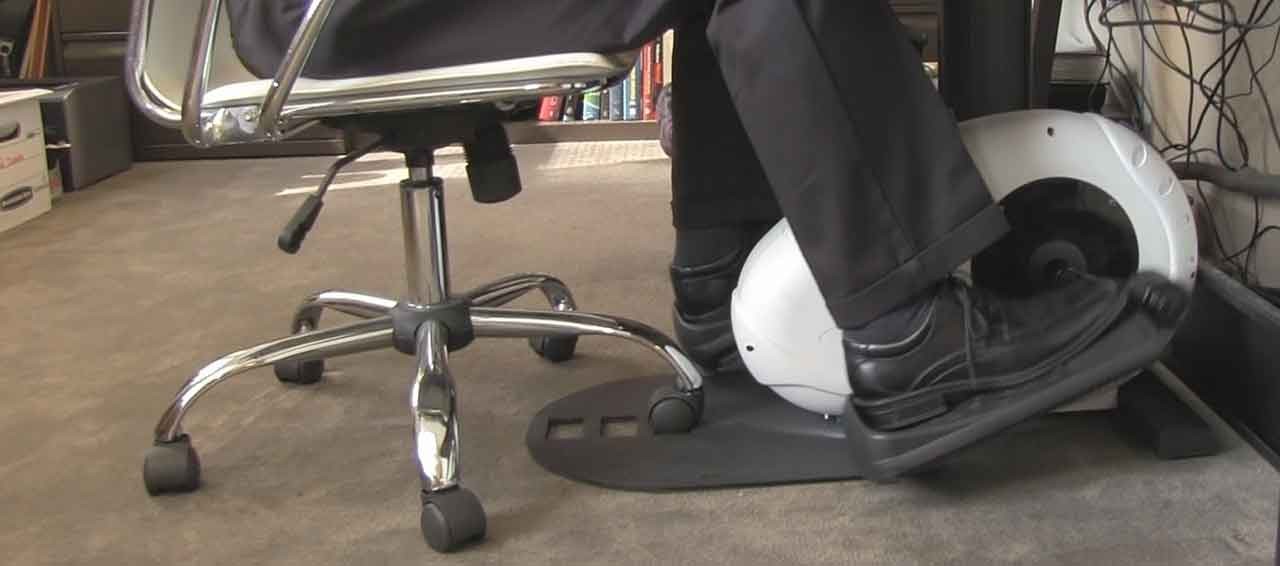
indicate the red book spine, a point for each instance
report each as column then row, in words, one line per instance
column 550, row 109
column 646, row 82
column 658, row 49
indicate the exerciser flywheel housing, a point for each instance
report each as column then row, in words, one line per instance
column 1081, row 192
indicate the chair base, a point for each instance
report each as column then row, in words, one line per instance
column 429, row 323
column 171, row 465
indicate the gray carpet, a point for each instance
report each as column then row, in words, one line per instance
column 111, row 300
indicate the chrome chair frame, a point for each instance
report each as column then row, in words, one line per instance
column 233, row 119
column 279, row 113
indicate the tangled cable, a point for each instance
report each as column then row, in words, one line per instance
column 1212, row 17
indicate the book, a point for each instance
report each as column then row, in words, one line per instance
column 35, row 55
column 659, row 49
column 668, row 50
column 590, row 106
column 551, row 108
column 646, row 82
column 1078, row 67
column 632, row 110
column 617, row 100
column 571, row 104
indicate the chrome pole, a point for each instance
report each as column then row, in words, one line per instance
column 426, row 249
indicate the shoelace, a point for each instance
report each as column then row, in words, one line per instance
column 961, row 289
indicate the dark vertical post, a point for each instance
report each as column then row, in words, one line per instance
column 985, row 56
column 1044, row 43
column 54, row 66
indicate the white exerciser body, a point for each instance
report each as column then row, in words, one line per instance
column 786, row 335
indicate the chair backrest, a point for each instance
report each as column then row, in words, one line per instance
column 182, row 72
column 164, row 61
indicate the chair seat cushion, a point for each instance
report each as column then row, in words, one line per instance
column 364, row 38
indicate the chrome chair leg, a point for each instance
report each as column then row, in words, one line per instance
column 519, row 323
column 332, row 342
column 307, row 316
column 435, row 419
column 508, row 289
column 671, row 409
column 171, row 465
column 451, row 514
column 554, row 349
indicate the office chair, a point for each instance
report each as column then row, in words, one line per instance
column 202, row 88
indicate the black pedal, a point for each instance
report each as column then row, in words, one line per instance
column 1138, row 339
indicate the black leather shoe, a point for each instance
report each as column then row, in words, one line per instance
column 702, row 315
column 962, row 341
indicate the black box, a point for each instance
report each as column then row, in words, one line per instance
column 86, row 127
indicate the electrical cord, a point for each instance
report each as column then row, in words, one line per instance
column 1207, row 90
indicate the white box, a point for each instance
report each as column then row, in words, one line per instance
column 24, row 180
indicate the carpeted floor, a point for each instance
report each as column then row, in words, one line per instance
column 111, row 300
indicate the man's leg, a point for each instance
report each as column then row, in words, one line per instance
column 721, row 202
column 867, row 162
column 716, row 178
column 884, row 201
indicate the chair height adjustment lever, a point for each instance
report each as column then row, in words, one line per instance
column 295, row 231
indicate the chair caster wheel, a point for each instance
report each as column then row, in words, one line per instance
column 451, row 519
column 673, row 412
column 300, row 373
column 554, row 349
column 171, row 467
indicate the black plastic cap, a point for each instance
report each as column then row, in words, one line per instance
column 491, row 168
column 295, row 232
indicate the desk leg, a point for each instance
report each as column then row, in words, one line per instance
column 1044, row 46
column 986, row 56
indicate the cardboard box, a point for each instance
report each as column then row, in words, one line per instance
column 24, row 179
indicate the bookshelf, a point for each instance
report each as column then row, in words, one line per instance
column 627, row 109
column 921, row 17
column 601, row 130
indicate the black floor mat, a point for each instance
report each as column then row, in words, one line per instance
column 748, row 437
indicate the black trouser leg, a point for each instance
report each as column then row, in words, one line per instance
column 721, row 202
column 716, row 179
column 866, row 161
